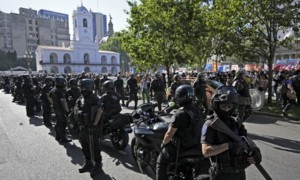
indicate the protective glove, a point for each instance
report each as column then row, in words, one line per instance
column 93, row 129
column 235, row 148
column 255, row 153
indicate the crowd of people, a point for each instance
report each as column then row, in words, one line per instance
column 95, row 98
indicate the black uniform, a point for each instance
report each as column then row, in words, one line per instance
column 157, row 85
column 74, row 93
column 85, row 111
column 230, row 165
column 132, row 87
column 111, row 105
column 57, row 94
column 244, row 96
column 119, row 85
column 200, row 93
column 47, row 110
column 188, row 133
column 28, row 90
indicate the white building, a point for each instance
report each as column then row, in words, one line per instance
column 83, row 53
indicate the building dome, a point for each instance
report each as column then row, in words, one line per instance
column 82, row 9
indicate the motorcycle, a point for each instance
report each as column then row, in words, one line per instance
column 149, row 130
column 116, row 129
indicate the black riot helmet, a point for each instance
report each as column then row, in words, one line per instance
column 86, row 83
column 49, row 80
column 184, row 94
column 108, row 85
column 73, row 82
column 177, row 77
column 60, row 81
column 225, row 100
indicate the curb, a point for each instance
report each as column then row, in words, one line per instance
column 276, row 115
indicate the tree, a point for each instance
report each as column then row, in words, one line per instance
column 253, row 27
column 166, row 32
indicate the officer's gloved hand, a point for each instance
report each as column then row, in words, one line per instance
column 235, row 148
column 93, row 129
column 256, row 155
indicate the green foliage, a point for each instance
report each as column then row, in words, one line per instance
column 164, row 32
column 250, row 29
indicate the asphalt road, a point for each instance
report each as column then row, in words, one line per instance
column 28, row 150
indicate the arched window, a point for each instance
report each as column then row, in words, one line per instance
column 85, row 24
column 67, row 58
column 87, row 69
column 75, row 23
column 54, row 70
column 103, row 60
column 86, row 58
column 53, row 58
column 114, row 70
column 113, row 60
column 67, row 70
column 104, row 70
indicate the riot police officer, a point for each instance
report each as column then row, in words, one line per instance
column 88, row 111
column 47, row 100
column 101, row 81
column 132, row 87
column 28, row 90
column 228, row 160
column 73, row 93
column 200, row 92
column 175, row 84
column 184, row 131
column 61, row 108
column 157, row 86
column 242, row 88
column 119, row 85
column 111, row 102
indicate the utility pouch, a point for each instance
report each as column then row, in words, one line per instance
column 224, row 162
column 213, row 170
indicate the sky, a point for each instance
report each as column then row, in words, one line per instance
column 115, row 8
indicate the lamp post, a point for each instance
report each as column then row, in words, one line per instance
column 29, row 56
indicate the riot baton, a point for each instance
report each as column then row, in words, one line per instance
column 223, row 128
column 91, row 143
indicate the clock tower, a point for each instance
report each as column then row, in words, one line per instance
column 82, row 25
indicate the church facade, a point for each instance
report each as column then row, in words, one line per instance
column 83, row 53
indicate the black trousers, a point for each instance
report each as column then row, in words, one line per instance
column 84, row 140
column 231, row 176
column 167, row 155
column 60, row 126
column 132, row 96
column 46, row 112
column 29, row 106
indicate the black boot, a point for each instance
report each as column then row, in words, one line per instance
column 97, row 169
column 87, row 167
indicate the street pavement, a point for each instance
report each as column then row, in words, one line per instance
column 28, row 150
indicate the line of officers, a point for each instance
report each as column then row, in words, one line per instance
column 56, row 94
column 55, row 97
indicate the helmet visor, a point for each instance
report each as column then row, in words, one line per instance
column 225, row 106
